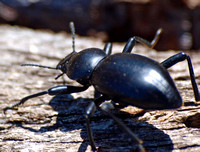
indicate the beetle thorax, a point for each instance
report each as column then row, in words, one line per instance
column 82, row 64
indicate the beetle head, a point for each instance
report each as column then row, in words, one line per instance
column 62, row 65
column 80, row 66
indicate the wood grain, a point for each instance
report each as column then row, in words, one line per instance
column 57, row 123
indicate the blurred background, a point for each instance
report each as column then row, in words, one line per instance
column 112, row 20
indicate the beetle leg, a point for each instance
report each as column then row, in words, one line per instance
column 106, row 108
column 129, row 45
column 131, row 42
column 153, row 42
column 108, row 48
column 89, row 113
column 178, row 58
column 62, row 89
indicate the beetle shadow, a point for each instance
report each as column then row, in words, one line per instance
column 107, row 134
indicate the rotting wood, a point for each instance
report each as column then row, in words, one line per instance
column 57, row 123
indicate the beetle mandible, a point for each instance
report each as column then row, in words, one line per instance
column 125, row 78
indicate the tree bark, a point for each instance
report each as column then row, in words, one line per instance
column 57, row 123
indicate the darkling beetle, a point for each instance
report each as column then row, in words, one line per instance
column 125, row 78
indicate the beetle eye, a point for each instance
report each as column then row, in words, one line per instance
column 59, row 67
column 63, row 67
column 63, row 63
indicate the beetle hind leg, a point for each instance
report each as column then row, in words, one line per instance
column 131, row 42
column 178, row 58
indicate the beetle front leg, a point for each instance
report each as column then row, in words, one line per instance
column 178, row 58
column 62, row 89
column 88, row 114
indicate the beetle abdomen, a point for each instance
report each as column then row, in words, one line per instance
column 136, row 80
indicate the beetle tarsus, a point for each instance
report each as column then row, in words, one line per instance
column 23, row 100
column 58, row 90
column 153, row 42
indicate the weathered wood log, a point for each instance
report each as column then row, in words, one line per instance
column 57, row 123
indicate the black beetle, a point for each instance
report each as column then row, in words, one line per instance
column 124, row 78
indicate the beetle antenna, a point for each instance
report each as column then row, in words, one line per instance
column 72, row 28
column 38, row 65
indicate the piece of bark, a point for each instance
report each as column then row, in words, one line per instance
column 57, row 123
